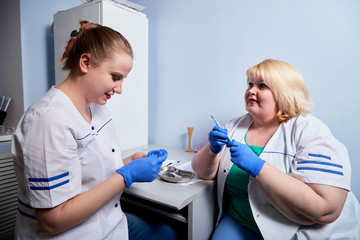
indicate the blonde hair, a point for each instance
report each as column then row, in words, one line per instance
column 99, row 41
column 286, row 82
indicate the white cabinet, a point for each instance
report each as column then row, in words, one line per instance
column 130, row 109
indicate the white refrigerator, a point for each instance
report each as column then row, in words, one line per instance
column 129, row 109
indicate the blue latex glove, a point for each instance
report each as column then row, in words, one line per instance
column 245, row 158
column 157, row 153
column 143, row 169
column 218, row 138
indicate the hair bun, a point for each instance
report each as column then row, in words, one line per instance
column 75, row 33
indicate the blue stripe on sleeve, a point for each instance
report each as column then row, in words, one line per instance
column 24, row 204
column 49, row 179
column 321, row 163
column 321, row 170
column 50, row 187
column 319, row 155
column 26, row 214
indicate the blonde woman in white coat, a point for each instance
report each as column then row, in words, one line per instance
column 283, row 175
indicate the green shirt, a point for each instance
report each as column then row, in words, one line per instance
column 236, row 194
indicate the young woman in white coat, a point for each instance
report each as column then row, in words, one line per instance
column 280, row 172
column 68, row 160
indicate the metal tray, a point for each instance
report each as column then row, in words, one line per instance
column 174, row 175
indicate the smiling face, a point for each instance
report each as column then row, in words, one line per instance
column 260, row 101
column 106, row 79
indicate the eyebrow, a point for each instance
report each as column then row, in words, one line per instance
column 256, row 80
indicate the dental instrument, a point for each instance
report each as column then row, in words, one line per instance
column 217, row 123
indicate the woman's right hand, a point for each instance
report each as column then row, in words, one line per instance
column 218, row 138
column 143, row 169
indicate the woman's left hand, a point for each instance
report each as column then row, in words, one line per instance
column 133, row 157
column 144, row 169
column 138, row 155
column 245, row 158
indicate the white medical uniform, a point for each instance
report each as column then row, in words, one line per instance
column 304, row 148
column 59, row 155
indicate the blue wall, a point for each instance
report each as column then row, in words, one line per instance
column 37, row 43
column 199, row 52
